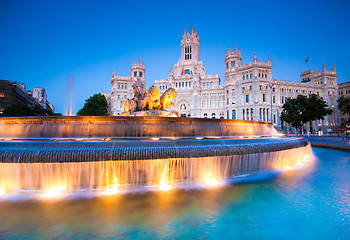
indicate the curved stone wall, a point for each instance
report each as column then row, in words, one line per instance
column 90, row 127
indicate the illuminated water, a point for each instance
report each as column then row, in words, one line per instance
column 310, row 203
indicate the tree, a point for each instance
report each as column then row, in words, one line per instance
column 344, row 105
column 95, row 105
column 317, row 108
column 18, row 109
column 300, row 110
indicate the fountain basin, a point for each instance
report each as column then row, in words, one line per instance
column 52, row 154
column 107, row 126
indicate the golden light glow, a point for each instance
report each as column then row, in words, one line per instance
column 299, row 163
column 211, row 181
column 111, row 191
column 199, row 138
column 2, row 192
column 165, row 187
column 7, row 139
column 306, row 158
column 79, row 139
column 52, row 192
column 155, row 139
column 287, row 167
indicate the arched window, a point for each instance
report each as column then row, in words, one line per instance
column 251, row 75
column 247, row 76
column 243, row 77
column 233, row 114
column 188, row 72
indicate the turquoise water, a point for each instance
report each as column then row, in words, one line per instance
column 310, row 203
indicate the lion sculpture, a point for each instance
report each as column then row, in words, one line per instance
column 167, row 98
column 152, row 101
column 129, row 105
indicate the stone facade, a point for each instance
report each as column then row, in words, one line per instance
column 248, row 93
column 121, row 87
column 344, row 90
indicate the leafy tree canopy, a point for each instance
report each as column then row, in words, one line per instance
column 344, row 105
column 300, row 110
column 20, row 109
column 94, row 106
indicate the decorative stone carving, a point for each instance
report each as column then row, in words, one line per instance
column 166, row 99
column 149, row 103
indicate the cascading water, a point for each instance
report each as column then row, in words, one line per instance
column 139, row 152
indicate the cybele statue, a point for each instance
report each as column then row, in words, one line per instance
column 149, row 103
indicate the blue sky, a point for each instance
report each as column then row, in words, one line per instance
column 42, row 43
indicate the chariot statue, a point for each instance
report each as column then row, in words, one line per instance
column 149, row 103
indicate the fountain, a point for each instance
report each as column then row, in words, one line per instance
column 145, row 147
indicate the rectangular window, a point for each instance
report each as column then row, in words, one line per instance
column 233, row 101
column 246, row 98
column 233, row 64
column 264, row 97
column 189, row 84
column 176, row 85
column 140, row 74
column 233, row 114
column 273, row 99
column 135, row 74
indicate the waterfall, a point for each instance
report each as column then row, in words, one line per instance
column 99, row 175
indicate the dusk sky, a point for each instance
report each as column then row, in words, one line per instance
column 44, row 42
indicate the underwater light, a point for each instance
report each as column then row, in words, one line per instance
column 287, row 167
column 111, row 191
column 52, row 192
column 165, row 187
column 306, row 158
column 211, row 181
column 299, row 163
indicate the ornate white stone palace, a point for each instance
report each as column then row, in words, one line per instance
column 248, row 93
